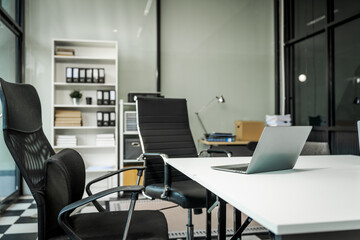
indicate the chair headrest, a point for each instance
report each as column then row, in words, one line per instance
column 21, row 107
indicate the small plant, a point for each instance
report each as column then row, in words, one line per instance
column 75, row 94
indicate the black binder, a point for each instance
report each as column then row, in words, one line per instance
column 112, row 97
column 106, row 119
column 89, row 75
column 112, row 118
column 101, row 75
column 100, row 97
column 106, row 97
column 68, row 75
column 75, row 75
column 99, row 116
column 82, row 75
column 95, row 75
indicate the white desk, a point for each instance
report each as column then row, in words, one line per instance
column 321, row 194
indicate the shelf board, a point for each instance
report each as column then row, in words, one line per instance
column 83, row 106
column 129, row 104
column 131, row 133
column 90, row 85
column 82, row 147
column 82, row 127
column 59, row 58
column 133, row 161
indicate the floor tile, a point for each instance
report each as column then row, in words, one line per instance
column 26, row 220
column 3, row 228
column 12, row 213
column 8, row 220
column 33, row 205
column 25, row 201
column 26, row 197
column 19, row 206
column 22, row 228
column 27, row 236
column 29, row 213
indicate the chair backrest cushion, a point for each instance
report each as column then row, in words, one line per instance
column 65, row 181
column 163, row 127
column 21, row 107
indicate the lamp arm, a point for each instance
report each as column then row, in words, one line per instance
column 205, row 106
column 201, row 123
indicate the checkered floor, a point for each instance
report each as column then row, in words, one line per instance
column 19, row 221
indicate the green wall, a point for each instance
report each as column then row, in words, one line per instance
column 212, row 48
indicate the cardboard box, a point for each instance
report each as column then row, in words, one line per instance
column 248, row 130
column 130, row 176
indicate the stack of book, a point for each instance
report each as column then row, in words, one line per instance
column 221, row 137
column 66, row 140
column 68, row 118
column 65, row 52
column 105, row 139
column 278, row 120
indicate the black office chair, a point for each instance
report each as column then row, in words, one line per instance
column 315, row 148
column 164, row 131
column 57, row 180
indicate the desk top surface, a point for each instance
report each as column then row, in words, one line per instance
column 321, row 193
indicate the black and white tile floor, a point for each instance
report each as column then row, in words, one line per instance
column 19, row 221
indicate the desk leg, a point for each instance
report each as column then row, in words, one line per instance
column 222, row 220
column 208, row 215
column 343, row 235
column 237, row 221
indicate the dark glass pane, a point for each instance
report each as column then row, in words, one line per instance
column 310, row 82
column 309, row 16
column 10, row 7
column 8, row 182
column 347, row 74
column 345, row 8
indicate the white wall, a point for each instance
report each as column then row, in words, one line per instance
column 209, row 48
column 94, row 20
column 213, row 47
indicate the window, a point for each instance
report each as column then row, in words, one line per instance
column 322, row 70
column 10, row 70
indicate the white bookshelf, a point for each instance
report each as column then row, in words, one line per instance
column 123, row 135
column 88, row 54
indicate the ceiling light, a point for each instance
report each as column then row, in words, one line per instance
column 147, row 8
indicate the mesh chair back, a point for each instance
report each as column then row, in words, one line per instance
column 23, row 132
column 163, row 127
column 25, row 139
column 315, row 148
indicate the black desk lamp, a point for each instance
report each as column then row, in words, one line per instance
column 220, row 99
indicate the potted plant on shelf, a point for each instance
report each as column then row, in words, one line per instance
column 76, row 96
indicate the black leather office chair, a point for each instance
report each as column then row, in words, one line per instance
column 57, row 180
column 164, row 131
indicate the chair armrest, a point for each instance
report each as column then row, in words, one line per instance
column 88, row 191
column 65, row 212
column 227, row 153
column 167, row 170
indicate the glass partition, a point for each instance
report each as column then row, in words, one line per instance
column 347, row 74
column 10, row 7
column 8, row 180
column 310, row 82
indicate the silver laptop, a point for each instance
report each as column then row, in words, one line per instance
column 278, row 149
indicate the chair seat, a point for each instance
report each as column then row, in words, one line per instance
column 187, row 194
column 144, row 225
